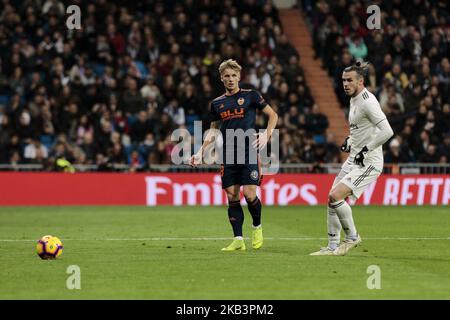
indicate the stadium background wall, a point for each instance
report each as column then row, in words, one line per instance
column 205, row 189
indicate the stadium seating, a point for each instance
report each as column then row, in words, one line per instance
column 137, row 57
column 410, row 71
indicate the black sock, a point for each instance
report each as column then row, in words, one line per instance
column 255, row 210
column 236, row 216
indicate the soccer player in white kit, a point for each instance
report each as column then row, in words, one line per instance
column 369, row 129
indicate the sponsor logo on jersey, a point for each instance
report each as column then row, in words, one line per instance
column 353, row 126
column 230, row 114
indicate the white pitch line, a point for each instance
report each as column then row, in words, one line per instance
column 222, row 238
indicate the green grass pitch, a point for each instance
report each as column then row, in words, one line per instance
column 174, row 253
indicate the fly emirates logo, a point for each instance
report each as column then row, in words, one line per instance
column 293, row 189
column 163, row 190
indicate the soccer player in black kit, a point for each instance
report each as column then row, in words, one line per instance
column 236, row 110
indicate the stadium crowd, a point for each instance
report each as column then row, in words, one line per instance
column 409, row 71
column 113, row 92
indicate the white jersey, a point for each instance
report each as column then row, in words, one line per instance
column 364, row 115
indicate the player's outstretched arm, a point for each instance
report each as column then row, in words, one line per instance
column 262, row 139
column 196, row 159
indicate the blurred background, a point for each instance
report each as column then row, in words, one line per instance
column 108, row 96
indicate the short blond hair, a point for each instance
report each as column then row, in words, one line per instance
column 229, row 64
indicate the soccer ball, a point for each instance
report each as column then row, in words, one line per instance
column 49, row 247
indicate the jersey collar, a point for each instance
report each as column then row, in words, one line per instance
column 359, row 95
column 230, row 95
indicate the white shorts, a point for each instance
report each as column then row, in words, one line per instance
column 357, row 178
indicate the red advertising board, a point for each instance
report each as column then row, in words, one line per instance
column 205, row 189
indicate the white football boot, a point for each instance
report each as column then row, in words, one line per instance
column 325, row 251
column 346, row 245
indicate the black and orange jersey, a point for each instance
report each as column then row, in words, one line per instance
column 237, row 111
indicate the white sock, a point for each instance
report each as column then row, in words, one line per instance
column 334, row 229
column 239, row 238
column 344, row 212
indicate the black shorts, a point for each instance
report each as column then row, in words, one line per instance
column 240, row 174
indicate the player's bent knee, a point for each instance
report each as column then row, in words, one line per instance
column 250, row 199
column 330, row 199
column 334, row 197
column 250, row 196
column 232, row 197
column 249, row 193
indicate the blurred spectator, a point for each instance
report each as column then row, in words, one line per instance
column 430, row 155
column 357, row 47
column 176, row 112
column 394, row 154
column 317, row 124
column 146, row 147
column 410, row 67
column 132, row 101
column 35, row 152
column 333, row 151
column 113, row 91
column 88, row 146
column 140, row 128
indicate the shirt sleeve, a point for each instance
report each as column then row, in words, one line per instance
column 384, row 134
column 258, row 100
column 213, row 115
column 378, row 118
column 374, row 113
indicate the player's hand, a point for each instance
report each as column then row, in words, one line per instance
column 360, row 156
column 195, row 160
column 261, row 140
column 346, row 147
